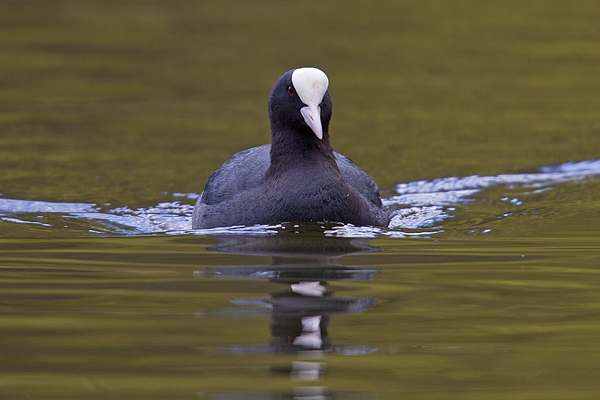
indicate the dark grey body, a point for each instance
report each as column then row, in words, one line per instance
column 298, row 177
column 240, row 193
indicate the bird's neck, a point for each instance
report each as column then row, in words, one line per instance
column 291, row 149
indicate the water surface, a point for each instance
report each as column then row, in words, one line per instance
column 479, row 121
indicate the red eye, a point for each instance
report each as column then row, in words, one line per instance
column 291, row 91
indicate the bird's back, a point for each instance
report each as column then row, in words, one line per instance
column 246, row 170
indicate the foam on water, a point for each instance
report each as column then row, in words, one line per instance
column 419, row 207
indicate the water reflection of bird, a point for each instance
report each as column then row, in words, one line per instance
column 300, row 314
column 298, row 177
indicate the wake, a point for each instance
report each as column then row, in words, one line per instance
column 420, row 208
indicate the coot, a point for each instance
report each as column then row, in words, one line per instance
column 298, row 177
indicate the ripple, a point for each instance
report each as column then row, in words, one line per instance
column 419, row 209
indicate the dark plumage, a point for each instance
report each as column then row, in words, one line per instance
column 298, row 177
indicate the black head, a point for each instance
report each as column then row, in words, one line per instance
column 300, row 102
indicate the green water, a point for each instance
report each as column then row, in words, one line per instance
column 123, row 103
